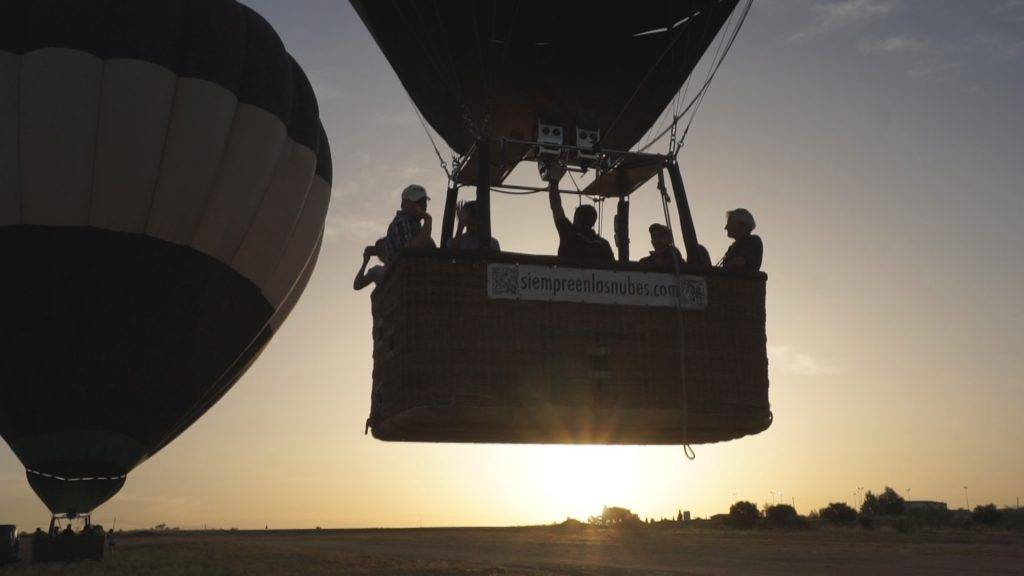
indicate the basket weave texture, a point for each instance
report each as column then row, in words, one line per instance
column 453, row 365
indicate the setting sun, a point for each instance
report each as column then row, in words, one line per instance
column 578, row 480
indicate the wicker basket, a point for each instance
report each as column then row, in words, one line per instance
column 452, row 364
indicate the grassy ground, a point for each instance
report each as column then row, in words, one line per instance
column 551, row 551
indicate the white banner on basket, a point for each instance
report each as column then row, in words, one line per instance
column 553, row 283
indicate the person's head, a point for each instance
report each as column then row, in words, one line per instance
column 661, row 237
column 585, row 218
column 470, row 215
column 414, row 199
column 739, row 223
column 381, row 249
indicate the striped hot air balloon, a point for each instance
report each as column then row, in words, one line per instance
column 164, row 180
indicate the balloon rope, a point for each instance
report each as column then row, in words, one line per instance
column 699, row 96
column 711, row 76
column 687, row 450
column 423, row 123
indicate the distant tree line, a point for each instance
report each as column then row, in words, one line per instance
column 886, row 509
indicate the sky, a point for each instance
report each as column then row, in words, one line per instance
column 879, row 143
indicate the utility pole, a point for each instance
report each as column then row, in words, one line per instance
column 908, row 493
column 967, row 500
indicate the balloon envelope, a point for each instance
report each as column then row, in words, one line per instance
column 500, row 67
column 164, row 180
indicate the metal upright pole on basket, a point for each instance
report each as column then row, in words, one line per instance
column 622, row 228
column 448, row 223
column 683, row 206
column 483, row 190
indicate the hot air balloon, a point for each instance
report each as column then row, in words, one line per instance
column 164, row 180
column 519, row 348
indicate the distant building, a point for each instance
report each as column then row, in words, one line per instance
column 925, row 506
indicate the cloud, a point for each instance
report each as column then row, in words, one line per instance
column 1011, row 11
column 832, row 16
column 1001, row 46
column 892, row 45
column 1008, row 6
column 787, row 359
column 326, row 86
column 354, row 228
column 932, row 59
column 933, row 70
column 411, row 170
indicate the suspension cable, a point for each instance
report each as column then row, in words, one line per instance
column 687, row 449
column 676, row 114
column 714, row 71
column 426, row 129
column 698, row 97
column 680, row 97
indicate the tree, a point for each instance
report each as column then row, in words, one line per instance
column 890, row 503
column 782, row 515
column 615, row 516
column 838, row 513
column 870, row 507
column 743, row 514
column 987, row 515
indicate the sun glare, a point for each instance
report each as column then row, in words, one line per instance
column 579, row 480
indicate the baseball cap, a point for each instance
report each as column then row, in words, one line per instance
column 414, row 193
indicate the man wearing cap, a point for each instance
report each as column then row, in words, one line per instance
column 411, row 225
column 746, row 250
column 665, row 255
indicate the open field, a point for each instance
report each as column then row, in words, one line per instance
column 552, row 551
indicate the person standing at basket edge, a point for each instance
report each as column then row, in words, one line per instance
column 577, row 239
column 375, row 274
column 468, row 237
column 665, row 255
column 412, row 224
column 746, row 251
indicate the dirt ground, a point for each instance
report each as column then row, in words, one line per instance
column 552, row 551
